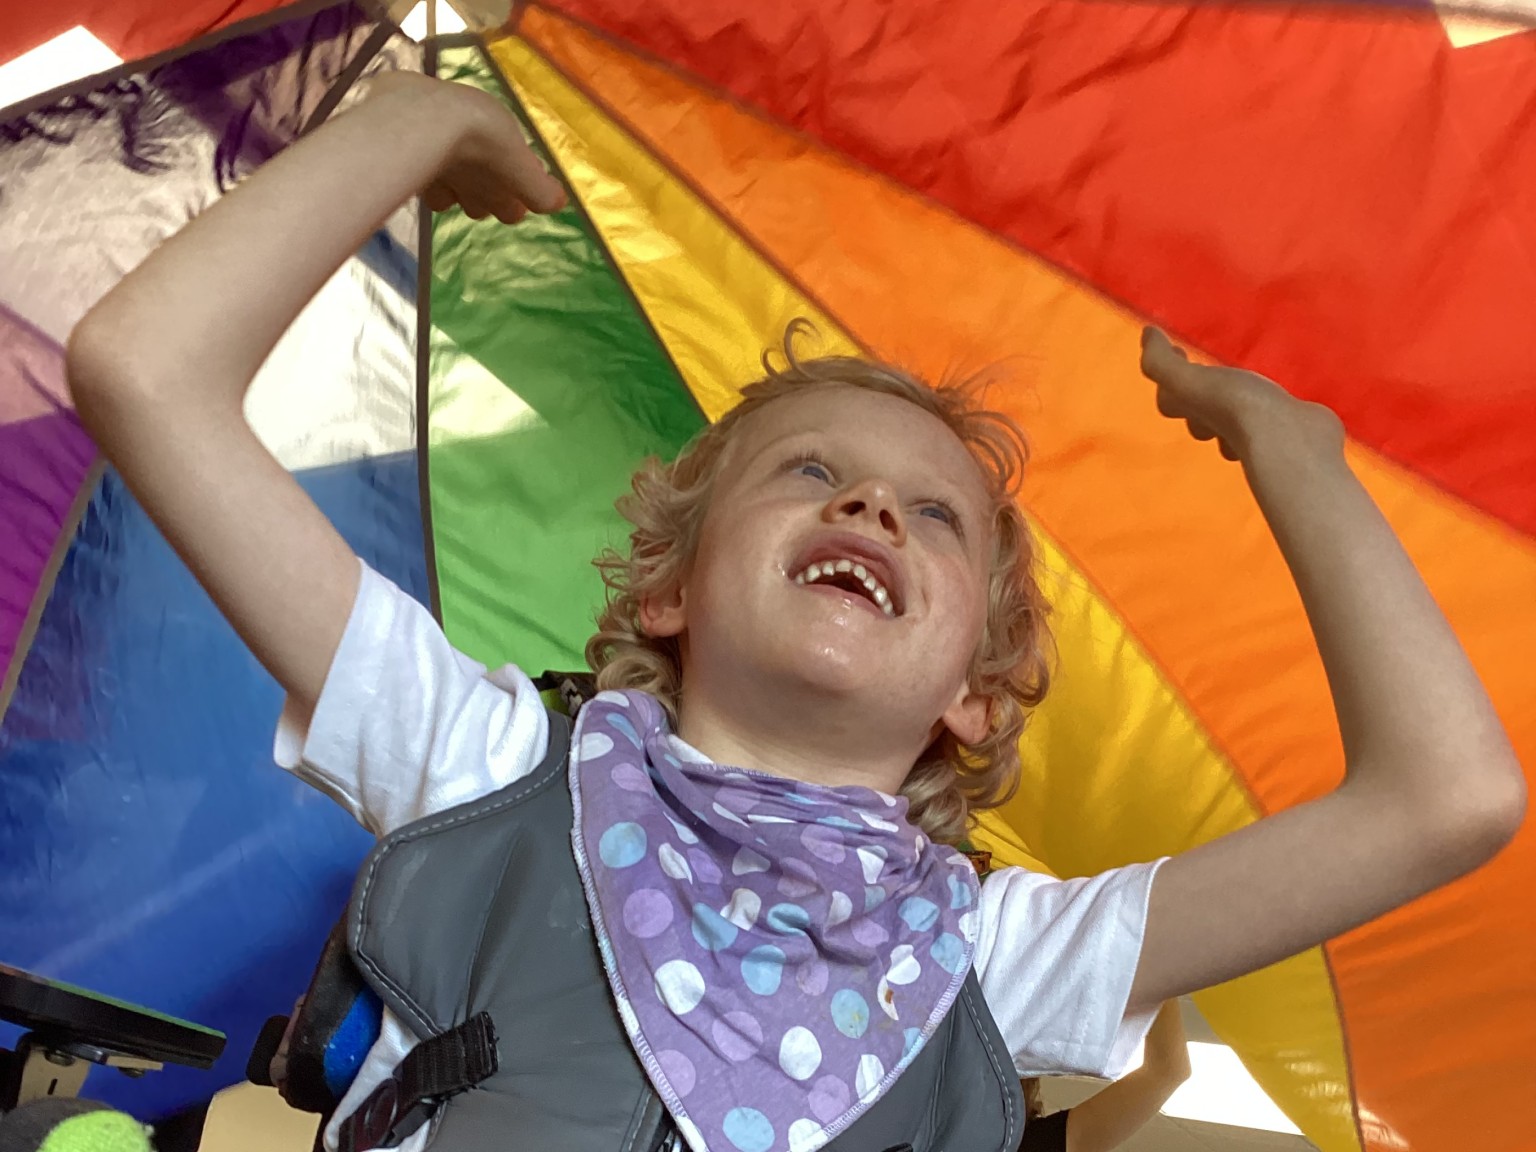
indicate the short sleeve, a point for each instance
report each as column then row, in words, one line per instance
column 406, row 725
column 1056, row 959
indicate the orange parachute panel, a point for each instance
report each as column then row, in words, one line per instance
column 1169, row 538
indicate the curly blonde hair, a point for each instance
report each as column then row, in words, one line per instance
column 667, row 506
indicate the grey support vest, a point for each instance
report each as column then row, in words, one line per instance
column 480, row 909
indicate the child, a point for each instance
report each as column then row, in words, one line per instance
column 1116, row 1112
column 831, row 593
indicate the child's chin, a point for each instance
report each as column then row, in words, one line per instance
column 845, row 670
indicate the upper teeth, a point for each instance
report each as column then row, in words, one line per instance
column 860, row 573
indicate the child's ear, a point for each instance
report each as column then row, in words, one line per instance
column 969, row 716
column 662, row 614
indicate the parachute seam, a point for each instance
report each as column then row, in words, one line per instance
column 590, row 225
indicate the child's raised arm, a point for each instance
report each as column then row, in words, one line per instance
column 1115, row 1113
column 160, row 366
column 1432, row 788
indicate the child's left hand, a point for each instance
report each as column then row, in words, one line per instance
column 1227, row 405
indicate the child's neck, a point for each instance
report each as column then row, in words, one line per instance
column 790, row 741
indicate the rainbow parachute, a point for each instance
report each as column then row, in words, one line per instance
column 1339, row 197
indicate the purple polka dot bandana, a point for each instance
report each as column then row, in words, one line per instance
column 779, row 951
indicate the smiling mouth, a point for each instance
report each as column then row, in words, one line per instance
column 852, row 577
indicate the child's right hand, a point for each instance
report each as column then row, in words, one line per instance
column 159, row 367
column 491, row 169
column 1229, row 405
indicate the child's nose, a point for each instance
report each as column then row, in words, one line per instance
column 873, row 501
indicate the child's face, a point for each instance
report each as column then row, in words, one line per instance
column 890, row 508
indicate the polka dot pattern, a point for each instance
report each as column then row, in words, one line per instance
column 680, row 986
column 762, row 969
column 871, row 1072
column 829, row 1099
column 871, row 933
column 737, row 1035
column 824, row 843
column 748, row 1130
column 679, row 1071
column 850, row 1013
column 804, row 1135
column 789, row 919
column 777, row 949
column 622, row 845
column 712, row 930
column 673, row 863
column 630, row 777
column 812, row 977
column 746, row 861
column 904, row 967
column 647, row 913
column 950, row 953
column 704, row 867
column 744, row 907
column 621, row 724
column 594, row 745
column 799, row 879
column 839, row 910
column 959, row 893
column 799, row 1053
column 918, row 914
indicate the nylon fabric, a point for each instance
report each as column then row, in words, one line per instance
column 716, row 304
column 44, row 458
column 1356, row 185
column 140, row 798
column 1190, row 528
column 1362, row 189
column 1114, row 767
column 547, row 391
column 133, row 29
column 1082, row 820
column 149, row 849
column 92, row 182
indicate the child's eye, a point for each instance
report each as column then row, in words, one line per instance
column 809, row 464
column 943, row 513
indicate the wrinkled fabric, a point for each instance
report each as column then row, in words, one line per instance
column 779, row 951
column 44, row 458
column 1190, row 699
column 1334, row 195
column 547, row 388
column 148, row 848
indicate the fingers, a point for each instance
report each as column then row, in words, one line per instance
column 1199, row 431
column 540, row 191
column 1185, row 391
column 477, row 204
column 1161, row 362
column 1167, row 367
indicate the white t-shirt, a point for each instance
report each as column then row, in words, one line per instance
column 407, row 726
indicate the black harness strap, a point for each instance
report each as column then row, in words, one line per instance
column 435, row 1070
